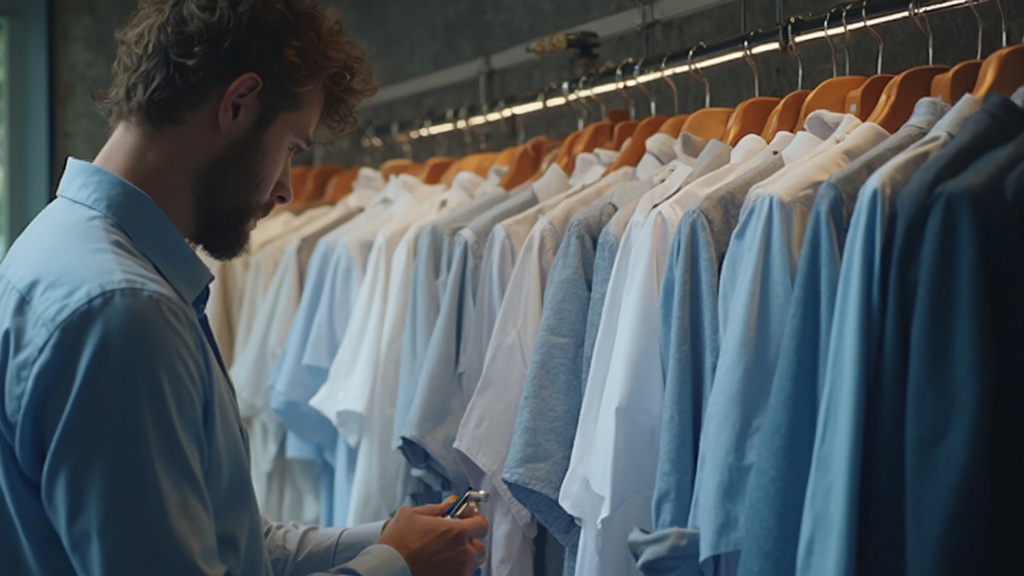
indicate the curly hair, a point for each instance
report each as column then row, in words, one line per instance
column 174, row 53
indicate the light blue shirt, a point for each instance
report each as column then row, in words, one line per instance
column 123, row 451
column 444, row 389
column 756, row 291
column 434, row 253
column 831, row 505
column 777, row 484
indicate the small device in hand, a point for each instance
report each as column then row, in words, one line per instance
column 467, row 504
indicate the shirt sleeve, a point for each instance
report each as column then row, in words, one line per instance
column 121, row 407
column 298, row 550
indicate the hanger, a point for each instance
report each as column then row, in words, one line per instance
column 785, row 114
column 1003, row 71
column 751, row 115
column 340, row 185
column 395, row 166
column 861, row 101
column 478, row 163
column 298, row 177
column 902, row 93
column 830, row 94
column 672, row 86
column 526, row 162
column 314, row 187
column 631, row 154
column 961, row 78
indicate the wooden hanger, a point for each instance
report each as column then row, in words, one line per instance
column 622, row 132
column 1001, row 73
column 783, row 118
column 901, row 95
column 526, row 162
column 477, row 163
column 708, row 123
column 395, row 166
column 674, row 125
column 590, row 137
column 434, row 168
column 862, row 101
column 829, row 95
column 314, row 187
column 957, row 81
column 749, row 117
column 637, row 147
column 565, row 151
column 298, row 180
column 340, row 185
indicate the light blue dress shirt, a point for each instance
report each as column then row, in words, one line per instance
column 444, row 389
column 756, row 292
column 122, row 450
column 831, row 502
column 779, row 479
column 919, row 362
column 689, row 325
column 434, row 253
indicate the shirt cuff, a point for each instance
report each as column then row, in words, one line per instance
column 376, row 560
column 352, row 541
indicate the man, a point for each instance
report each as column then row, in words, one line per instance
column 122, row 451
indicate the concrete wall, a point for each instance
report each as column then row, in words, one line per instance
column 409, row 38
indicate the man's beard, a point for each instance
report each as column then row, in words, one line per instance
column 227, row 198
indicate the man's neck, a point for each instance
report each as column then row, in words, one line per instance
column 161, row 164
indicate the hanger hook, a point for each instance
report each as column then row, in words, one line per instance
column 753, row 65
column 831, row 47
column 981, row 26
column 621, row 84
column 927, row 28
column 640, row 85
column 672, row 85
column 695, row 70
column 881, row 44
column 846, row 38
column 794, row 50
column 575, row 104
column 1002, row 20
column 590, row 94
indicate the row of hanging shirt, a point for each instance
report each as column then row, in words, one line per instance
column 720, row 350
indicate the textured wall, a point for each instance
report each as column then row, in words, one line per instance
column 409, row 38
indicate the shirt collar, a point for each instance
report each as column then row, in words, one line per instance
column 926, row 113
column 143, row 222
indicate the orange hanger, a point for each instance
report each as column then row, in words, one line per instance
column 674, row 125
column 901, row 95
column 590, row 137
column 435, row 167
column 1002, row 72
column 395, row 166
column 298, row 180
column 829, row 95
column 633, row 152
column 565, row 151
column 340, row 185
column 525, row 163
column 622, row 131
column 783, row 118
column 313, row 187
column 749, row 117
column 862, row 101
column 476, row 163
column 957, row 81
column 708, row 123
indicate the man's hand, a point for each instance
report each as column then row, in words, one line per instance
column 436, row 546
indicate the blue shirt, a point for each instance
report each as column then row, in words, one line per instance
column 545, row 426
column 936, row 362
column 775, row 503
column 123, row 451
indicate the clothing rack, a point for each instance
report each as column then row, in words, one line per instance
column 839, row 20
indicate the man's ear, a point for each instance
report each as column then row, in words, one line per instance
column 239, row 106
